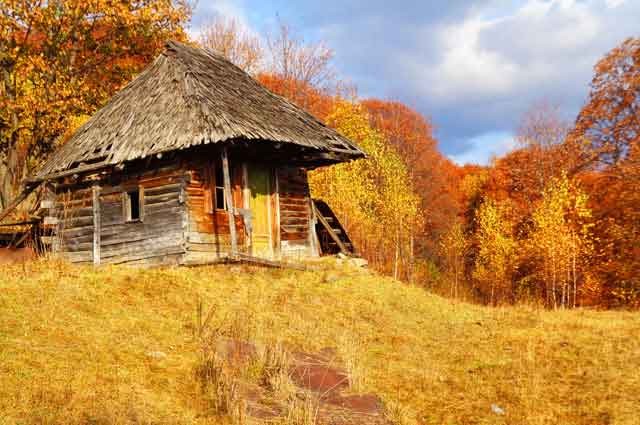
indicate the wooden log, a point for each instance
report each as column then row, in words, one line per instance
column 71, row 222
column 167, row 188
column 47, row 204
column 163, row 197
column 96, row 225
column 77, row 231
column 50, row 221
column 137, row 237
column 145, row 255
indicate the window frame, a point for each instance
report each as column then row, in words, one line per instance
column 215, row 188
column 127, row 211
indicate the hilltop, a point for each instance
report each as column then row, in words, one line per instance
column 121, row 345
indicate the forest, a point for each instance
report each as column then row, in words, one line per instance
column 555, row 222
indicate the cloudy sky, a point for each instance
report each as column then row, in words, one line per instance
column 473, row 66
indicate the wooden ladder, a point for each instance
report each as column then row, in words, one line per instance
column 331, row 235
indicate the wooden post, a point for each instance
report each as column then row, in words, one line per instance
column 96, row 224
column 229, row 200
column 276, row 205
column 246, row 204
column 316, row 249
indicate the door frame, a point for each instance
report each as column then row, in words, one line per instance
column 273, row 205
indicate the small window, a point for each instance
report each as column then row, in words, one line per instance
column 219, row 186
column 132, row 205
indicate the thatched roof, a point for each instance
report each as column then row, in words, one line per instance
column 188, row 97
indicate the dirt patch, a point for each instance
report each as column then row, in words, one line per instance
column 321, row 387
column 16, row 255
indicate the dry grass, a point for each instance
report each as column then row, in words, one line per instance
column 117, row 345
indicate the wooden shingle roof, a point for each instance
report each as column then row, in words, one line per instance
column 188, row 97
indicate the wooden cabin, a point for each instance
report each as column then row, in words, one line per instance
column 190, row 163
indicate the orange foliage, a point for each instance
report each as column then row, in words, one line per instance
column 435, row 178
column 315, row 101
column 609, row 128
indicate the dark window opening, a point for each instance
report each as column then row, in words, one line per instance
column 132, row 205
column 219, row 186
column 220, row 198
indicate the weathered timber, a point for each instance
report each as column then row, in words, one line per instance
column 156, row 114
column 96, row 225
column 330, row 231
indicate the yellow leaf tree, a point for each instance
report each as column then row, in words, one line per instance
column 453, row 250
column 496, row 251
column 373, row 197
column 560, row 241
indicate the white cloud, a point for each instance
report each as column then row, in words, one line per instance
column 473, row 66
column 614, row 3
column 506, row 56
column 466, row 67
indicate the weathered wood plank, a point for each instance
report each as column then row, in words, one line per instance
column 163, row 197
column 71, row 222
column 162, row 206
column 75, row 232
column 141, row 235
column 50, row 221
column 150, row 245
column 168, row 188
column 144, row 255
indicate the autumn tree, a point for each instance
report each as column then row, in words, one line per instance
column 61, row 60
column 372, row 197
column 497, row 248
column 610, row 121
column 235, row 42
column 453, row 251
column 298, row 65
column 560, row 241
column 609, row 124
column 433, row 176
column 542, row 133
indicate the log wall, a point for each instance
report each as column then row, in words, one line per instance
column 207, row 235
column 177, row 225
column 156, row 238
column 74, row 228
column 295, row 212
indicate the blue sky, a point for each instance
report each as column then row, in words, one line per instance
column 473, row 67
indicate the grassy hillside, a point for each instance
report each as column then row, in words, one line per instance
column 75, row 346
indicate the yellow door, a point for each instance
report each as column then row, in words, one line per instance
column 260, row 187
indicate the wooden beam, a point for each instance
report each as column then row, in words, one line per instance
column 66, row 173
column 316, row 249
column 96, row 224
column 12, row 206
column 249, row 259
column 229, row 200
column 20, row 223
